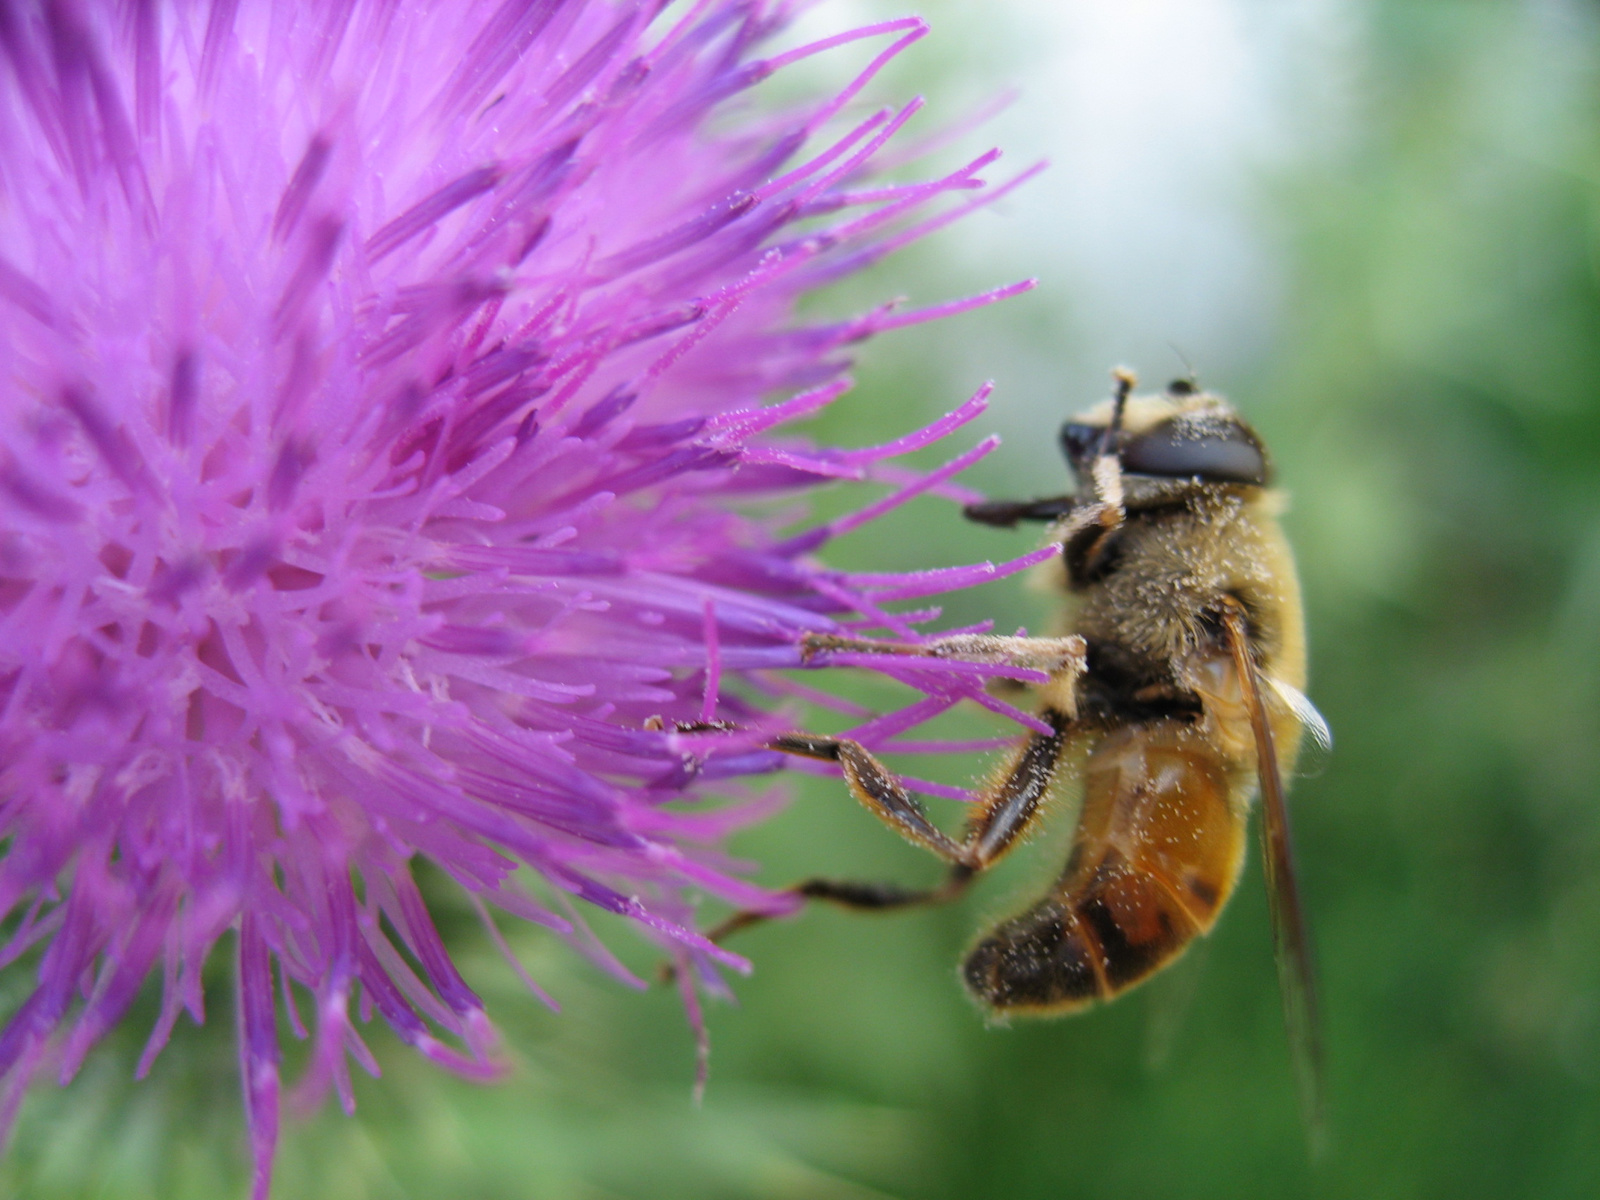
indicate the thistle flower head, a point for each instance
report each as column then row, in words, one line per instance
column 382, row 387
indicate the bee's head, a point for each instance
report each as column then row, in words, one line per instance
column 1182, row 434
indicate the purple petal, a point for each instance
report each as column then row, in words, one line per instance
column 387, row 391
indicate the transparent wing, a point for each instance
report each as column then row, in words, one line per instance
column 1296, row 976
column 1169, row 1000
column 1305, row 712
column 1315, row 748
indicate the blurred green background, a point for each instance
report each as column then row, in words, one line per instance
column 1376, row 227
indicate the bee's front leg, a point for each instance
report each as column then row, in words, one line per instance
column 1006, row 513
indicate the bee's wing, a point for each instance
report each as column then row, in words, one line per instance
column 1169, row 998
column 1316, row 747
column 1305, row 712
column 1296, row 977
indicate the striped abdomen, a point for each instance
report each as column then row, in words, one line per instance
column 1158, row 848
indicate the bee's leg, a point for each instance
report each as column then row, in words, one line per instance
column 852, row 894
column 883, row 796
column 1006, row 513
column 1099, row 523
column 1009, row 805
column 1089, row 532
column 1062, row 658
column 1053, row 655
column 878, row 790
column 1005, row 813
column 858, row 895
column 659, row 724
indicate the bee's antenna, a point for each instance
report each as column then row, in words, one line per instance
column 1190, row 375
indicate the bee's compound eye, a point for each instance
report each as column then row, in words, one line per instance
column 1080, row 442
column 1182, row 387
column 1229, row 454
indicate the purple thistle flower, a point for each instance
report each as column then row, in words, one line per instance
column 382, row 391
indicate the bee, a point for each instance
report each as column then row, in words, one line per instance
column 1175, row 690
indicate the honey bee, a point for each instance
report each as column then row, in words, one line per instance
column 1175, row 689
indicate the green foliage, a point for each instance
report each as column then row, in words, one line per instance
column 1432, row 396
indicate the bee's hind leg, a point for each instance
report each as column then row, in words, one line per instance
column 875, row 786
column 858, row 895
column 1003, row 814
column 879, row 792
column 852, row 894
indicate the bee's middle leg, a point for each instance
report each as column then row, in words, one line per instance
column 1052, row 655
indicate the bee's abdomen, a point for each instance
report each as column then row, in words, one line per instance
column 1041, row 961
column 1159, row 843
